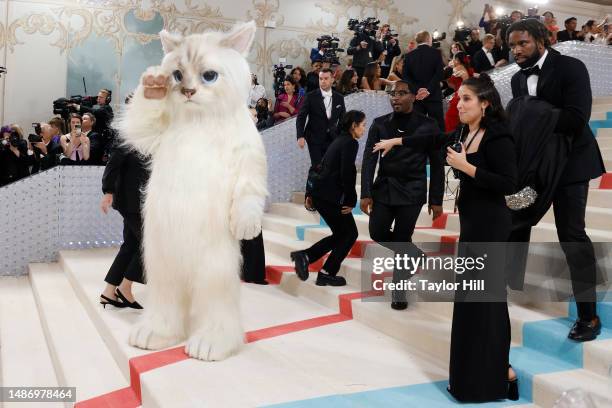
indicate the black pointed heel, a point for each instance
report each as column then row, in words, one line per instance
column 109, row 301
column 133, row 305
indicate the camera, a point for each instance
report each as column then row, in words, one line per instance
column 279, row 78
column 437, row 38
column 62, row 106
column 462, row 34
column 329, row 45
column 364, row 29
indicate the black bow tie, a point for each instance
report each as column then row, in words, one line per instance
column 535, row 70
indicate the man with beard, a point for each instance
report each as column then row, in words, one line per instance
column 400, row 189
column 564, row 82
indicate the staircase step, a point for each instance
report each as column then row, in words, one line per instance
column 24, row 354
column 598, row 357
column 547, row 388
column 600, row 198
column 596, row 217
column 79, row 354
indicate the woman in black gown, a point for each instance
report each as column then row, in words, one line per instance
column 487, row 169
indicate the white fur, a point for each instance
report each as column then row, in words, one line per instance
column 206, row 192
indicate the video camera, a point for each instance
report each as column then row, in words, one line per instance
column 279, row 77
column 437, row 38
column 462, row 34
column 62, row 106
column 364, row 29
column 329, row 45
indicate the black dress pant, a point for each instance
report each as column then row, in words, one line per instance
column 253, row 259
column 569, row 206
column 344, row 235
column 400, row 239
column 432, row 109
column 128, row 262
column 316, row 152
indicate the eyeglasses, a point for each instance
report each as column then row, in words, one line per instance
column 397, row 93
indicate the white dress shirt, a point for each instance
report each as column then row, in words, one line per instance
column 532, row 81
column 489, row 56
column 327, row 101
column 257, row 92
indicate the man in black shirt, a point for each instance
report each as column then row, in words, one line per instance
column 400, row 189
column 101, row 110
column 570, row 33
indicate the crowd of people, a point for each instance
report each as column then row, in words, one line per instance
column 83, row 139
column 480, row 140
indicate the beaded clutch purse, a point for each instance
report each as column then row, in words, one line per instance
column 522, row 199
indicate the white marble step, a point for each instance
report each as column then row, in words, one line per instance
column 604, row 141
column 24, row 355
column 547, row 388
column 598, row 357
column 604, row 133
column 600, row 198
column 602, row 100
column 600, row 113
column 80, row 356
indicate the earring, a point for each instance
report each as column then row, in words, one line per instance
column 483, row 112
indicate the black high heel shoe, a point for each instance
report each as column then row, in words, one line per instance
column 513, row 392
column 109, row 301
column 133, row 305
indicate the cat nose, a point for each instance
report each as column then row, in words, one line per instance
column 188, row 92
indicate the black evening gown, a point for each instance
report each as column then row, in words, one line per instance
column 480, row 339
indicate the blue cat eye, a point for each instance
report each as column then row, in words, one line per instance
column 209, row 77
column 178, row 76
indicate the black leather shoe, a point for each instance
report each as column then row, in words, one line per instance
column 585, row 331
column 324, row 279
column 300, row 260
column 399, row 305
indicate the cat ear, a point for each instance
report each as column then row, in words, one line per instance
column 241, row 37
column 169, row 40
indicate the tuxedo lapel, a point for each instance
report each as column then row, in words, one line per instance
column 321, row 102
column 545, row 72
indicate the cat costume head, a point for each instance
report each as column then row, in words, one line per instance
column 209, row 71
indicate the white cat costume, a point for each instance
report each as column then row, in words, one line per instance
column 206, row 192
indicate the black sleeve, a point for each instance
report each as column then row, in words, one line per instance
column 576, row 96
column 112, row 170
column 300, row 121
column 434, row 84
column 353, row 46
column 348, row 173
column 368, row 163
column 406, row 74
column 427, row 138
column 396, row 50
column 436, row 161
column 502, row 173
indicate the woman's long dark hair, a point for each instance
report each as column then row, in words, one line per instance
column 302, row 76
column 485, row 90
column 351, row 117
column 370, row 73
column 464, row 59
column 346, row 81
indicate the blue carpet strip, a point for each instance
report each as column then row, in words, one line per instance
column 546, row 349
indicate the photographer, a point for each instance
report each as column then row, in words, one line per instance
column 75, row 145
column 312, row 79
column 474, row 44
column 363, row 46
column 263, row 109
column 390, row 49
column 14, row 159
column 47, row 151
column 101, row 110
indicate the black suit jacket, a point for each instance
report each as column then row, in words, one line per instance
column 480, row 62
column 319, row 130
column 423, row 68
column 564, row 83
column 565, row 36
column 337, row 181
column 402, row 174
column 125, row 176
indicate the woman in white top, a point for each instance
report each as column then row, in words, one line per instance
column 257, row 91
column 75, row 145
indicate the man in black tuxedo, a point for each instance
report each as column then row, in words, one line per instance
column 324, row 108
column 423, row 70
column 570, row 33
column 484, row 59
column 400, row 189
column 564, row 82
column 475, row 44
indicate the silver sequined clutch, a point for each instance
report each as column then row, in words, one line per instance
column 522, row 199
